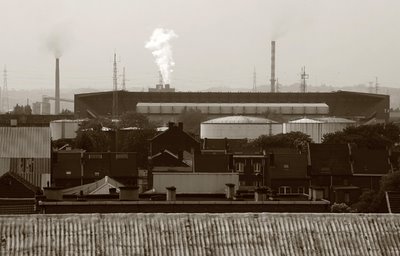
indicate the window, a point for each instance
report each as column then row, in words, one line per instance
column 96, row 174
column 68, row 173
column 300, row 190
column 257, row 168
column 286, row 166
column 95, row 156
column 121, row 156
column 285, row 190
column 239, row 167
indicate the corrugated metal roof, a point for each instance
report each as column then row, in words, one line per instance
column 25, row 142
column 201, row 234
column 239, row 120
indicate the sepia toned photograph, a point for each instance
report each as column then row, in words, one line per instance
column 200, row 127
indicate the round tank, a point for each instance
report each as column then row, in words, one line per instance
column 238, row 127
column 308, row 126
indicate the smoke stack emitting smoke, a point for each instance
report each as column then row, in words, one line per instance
column 161, row 50
column 273, row 66
column 57, row 94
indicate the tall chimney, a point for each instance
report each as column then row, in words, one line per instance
column 57, row 96
column 273, row 66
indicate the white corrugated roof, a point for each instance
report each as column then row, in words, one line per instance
column 200, row 234
column 239, row 120
column 334, row 120
column 305, row 121
column 25, row 142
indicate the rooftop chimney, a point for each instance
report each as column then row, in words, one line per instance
column 273, row 66
column 57, row 96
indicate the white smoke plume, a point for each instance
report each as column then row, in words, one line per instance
column 161, row 50
column 58, row 40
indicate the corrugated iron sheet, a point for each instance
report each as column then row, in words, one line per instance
column 25, row 142
column 200, row 234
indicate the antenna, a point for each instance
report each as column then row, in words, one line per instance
column 5, row 104
column 115, row 89
column 304, row 76
column 254, row 80
column 376, row 85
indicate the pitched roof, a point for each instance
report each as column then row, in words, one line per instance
column 99, row 187
column 25, row 142
column 201, row 234
column 370, row 161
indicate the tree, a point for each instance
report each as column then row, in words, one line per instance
column 340, row 208
column 22, row 110
column 296, row 140
column 137, row 141
column 371, row 136
column 134, row 119
column 93, row 141
column 66, row 112
column 371, row 201
column 191, row 120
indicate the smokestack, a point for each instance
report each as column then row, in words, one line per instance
column 272, row 66
column 57, row 96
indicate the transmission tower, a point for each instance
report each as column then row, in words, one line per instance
column 5, row 104
column 115, row 89
column 254, row 80
column 304, row 76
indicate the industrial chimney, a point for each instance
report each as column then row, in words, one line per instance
column 57, row 96
column 273, row 66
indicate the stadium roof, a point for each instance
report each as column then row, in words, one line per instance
column 200, row 234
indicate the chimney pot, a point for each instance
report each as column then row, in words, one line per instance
column 171, row 193
column 230, row 190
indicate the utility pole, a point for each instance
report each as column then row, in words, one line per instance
column 304, row 76
column 254, row 80
column 115, row 89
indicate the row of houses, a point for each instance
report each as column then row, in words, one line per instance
column 340, row 172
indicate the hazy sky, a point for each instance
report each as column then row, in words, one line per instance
column 341, row 42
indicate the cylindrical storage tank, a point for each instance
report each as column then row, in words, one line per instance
column 64, row 129
column 238, row 110
column 308, row 126
column 335, row 124
column 236, row 127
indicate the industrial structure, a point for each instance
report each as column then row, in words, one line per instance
column 273, row 66
column 354, row 105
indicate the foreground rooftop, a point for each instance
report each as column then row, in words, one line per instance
column 201, row 234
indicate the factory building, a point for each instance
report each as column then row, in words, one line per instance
column 345, row 104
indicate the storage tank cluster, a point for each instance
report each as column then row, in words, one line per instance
column 239, row 127
column 246, row 127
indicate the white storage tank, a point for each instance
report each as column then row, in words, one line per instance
column 238, row 127
column 64, row 129
column 305, row 125
column 335, row 124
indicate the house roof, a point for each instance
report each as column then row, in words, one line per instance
column 201, row 234
column 10, row 190
column 99, row 187
column 167, row 158
column 290, row 166
column 25, row 142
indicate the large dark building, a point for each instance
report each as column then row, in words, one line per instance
column 341, row 103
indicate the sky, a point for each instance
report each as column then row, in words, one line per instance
column 218, row 43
